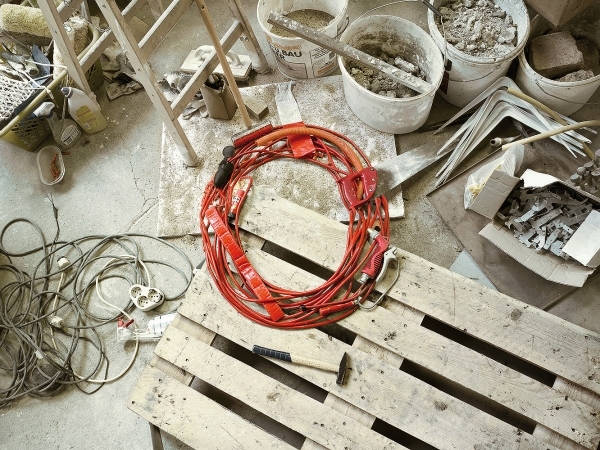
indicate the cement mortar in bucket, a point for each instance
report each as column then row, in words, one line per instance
column 297, row 58
column 398, row 37
column 563, row 97
column 468, row 76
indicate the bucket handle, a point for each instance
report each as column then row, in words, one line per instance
column 426, row 2
column 343, row 27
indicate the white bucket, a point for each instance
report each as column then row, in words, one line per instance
column 397, row 37
column 468, row 76
column 562, row 97
column 297, row 58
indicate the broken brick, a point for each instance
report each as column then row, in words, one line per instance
column 554, row 55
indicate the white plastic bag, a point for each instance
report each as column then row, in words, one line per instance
column 286, row 104
column 509, row 162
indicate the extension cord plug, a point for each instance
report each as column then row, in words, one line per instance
column 145, row 298
column 56, row 322
column 63, row 262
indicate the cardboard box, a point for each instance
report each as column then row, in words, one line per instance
column 546, row 264
column 558, row 12
column 496, row 189
column 584, row 245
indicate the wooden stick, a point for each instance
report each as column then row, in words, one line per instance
column 224, row 63
column 347, row 51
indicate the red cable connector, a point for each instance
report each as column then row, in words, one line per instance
column 380, row 246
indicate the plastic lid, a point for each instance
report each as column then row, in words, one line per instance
column 67, row 91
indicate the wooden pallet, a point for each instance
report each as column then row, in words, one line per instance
column 445, row 362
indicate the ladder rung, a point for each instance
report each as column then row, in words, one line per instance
column 108, row 36
column 66, row 8
column 94, row 53
column 132, row 8
column 163, row 25
column 207, row 67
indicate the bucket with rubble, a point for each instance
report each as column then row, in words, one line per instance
column 565, row 97
column 296, row 57
column 487, row 51
column 388, row 107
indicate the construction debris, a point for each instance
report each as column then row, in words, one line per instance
column 173, row 83
column 256, row 107
column 122, row 79
column 587, row 177
column 378, row 83
column 555, row 55
column 580, row 75
column 309, row 17
column 478, row 28
column 545, row 217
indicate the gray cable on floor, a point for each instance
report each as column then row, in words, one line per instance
column 39, row 358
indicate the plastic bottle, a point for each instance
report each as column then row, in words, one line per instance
column 66, row 133
column 84, row 110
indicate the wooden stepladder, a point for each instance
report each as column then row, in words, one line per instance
column 78, row 65
column 139, row 52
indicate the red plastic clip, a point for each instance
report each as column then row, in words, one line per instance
column 122, row 324
column 252, row 278
column 348, row 184
column 326, row 310
column 301, row 144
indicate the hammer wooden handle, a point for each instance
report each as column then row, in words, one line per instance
column 285, row 356
column 315, row 363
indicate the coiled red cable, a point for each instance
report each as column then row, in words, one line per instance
column 338, row 296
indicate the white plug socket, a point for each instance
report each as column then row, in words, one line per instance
column 145, row 298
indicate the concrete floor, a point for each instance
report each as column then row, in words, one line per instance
column 111, row 186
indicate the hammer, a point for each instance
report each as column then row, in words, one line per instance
column 285, row 356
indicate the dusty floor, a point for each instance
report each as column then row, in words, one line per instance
column 112, row 186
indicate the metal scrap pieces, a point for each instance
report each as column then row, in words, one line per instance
column 499, row 103
column 587, row 177
column 544, row 218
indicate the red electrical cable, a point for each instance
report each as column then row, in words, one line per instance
column 284, row 308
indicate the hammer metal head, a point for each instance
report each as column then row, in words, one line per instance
column 341, row 375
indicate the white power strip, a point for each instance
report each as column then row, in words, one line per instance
column 145, row 298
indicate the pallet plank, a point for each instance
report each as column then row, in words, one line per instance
column 481, row 374
column 372, row 385
column 370, row 348
column 551, row 437
column 193, row 418
column 312, row 235
column 376, row 388
column 556, row 345
column 177, row 373
column 392, row 338
column 289, row 407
